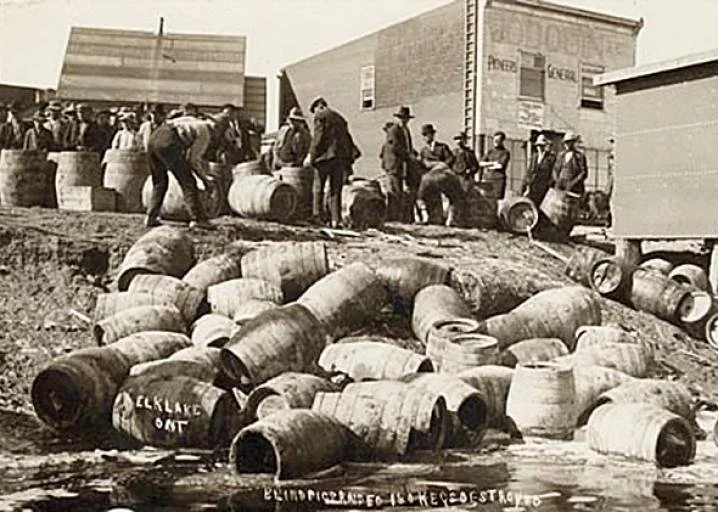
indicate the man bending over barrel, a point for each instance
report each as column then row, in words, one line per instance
column 179, row 145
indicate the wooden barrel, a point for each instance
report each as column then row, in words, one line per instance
column 711, row 330
column 200, row 363
column 224, row 298
column 108, row 304
column 492, row 183
column 468, row 412
column 440, row 335
column 293, row 266
column 251, row 168
column 389, row 418
column 405, row 277
column 691, row 275
column 345, row 299
column 78, row 389
column 364, row 359
column 657, row 294
column 286, row 339
column 480, row 210
column 218, row 269
column 138, row 319
column 591, row 381
column 467, row 350
column 436, row 303
column 162, row 250
column 186, row 298
column 399, row 205
column 542, row 400
column 212, row 331
column 696, row 311
column 174, row 206
column 561, row 209
column 579, row 266
column 493, row 382
column 534, row 350
column 285, row 445
column 633, row 359
column 262, row 197
column 518, row 215
column 612, row 277
column 23, row 178
column 249, row 309
column 302, row 180
column 658, row 264
column 670, row 395
column 363, row 205
column 290, row 390
column 126, row 172
column 643, row 432
column 536, row 318
column 588, row 336
column 78, row 168
column 175, row 412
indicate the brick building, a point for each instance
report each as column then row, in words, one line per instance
column 521, row 66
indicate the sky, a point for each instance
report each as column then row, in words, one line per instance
column 33, row 33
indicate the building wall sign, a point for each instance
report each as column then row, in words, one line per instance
column 506, row 65
column 531, row 115
column 564, row 74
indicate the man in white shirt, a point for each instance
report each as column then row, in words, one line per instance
column 179, row 145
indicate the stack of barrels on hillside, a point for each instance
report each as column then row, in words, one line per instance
column 680, row 294
column 267, row 351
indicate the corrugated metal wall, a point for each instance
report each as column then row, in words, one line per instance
column 112, row 65
column 255, row 98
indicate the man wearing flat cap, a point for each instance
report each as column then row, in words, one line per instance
column 540, row 171
column 293, row 141
column 37, row 136
column 434, row 151
column 332, row 153
column 570, row 170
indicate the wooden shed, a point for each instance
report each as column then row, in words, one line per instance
column 666, row 172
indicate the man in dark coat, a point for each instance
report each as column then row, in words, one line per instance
column 12, row 132
column 331, row 153
column 293, row 140
column 38, row 137
column 465, row 163
column 494, row 164
column 539, row 174
column 56, row 124
column 571, row 170
column 433, row 150
column 399, row 159
column 85, row 135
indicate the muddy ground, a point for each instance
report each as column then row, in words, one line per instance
column 52, row 262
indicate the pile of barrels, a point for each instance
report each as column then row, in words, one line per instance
column 679, row 294
column 253, row 350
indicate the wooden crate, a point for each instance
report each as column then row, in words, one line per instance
column 87, row 199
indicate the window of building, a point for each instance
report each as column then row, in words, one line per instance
column 532, row 76
column 368, row 91
column 591, row 95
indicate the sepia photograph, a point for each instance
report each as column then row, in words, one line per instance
column 349, row 255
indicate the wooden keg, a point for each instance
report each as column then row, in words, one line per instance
column 212, row 331
column 493, row 382
column 174, row 206
column 126, row 172
column 690, row 275
column 588, row 336
column 518, row 214
column 138, row 319
column 213, row 271
column 466, row 350
column 591, row 382
column 224, row 298
column 366, row 359
column 302, row 180
column 186, row 298
column 436, row 303
column 363, row 205
column 405, row 277
column 441, row 333
column 290, row 390
column 655, row 293
column 480, row 209
column 77, row 168
column 658, row 264
column 612, row 277
column 579, row 266
column 561, row 209
column 251, row 168
column 262, row 197
column 107, row 304
column 23, row 178
column 533, row 350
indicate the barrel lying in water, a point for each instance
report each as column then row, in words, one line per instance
column 671, row 396
column 518, row 214
column 536, row 318
column 23, row 178
column 162, row 250
column 285, row 445
column 561, row 209
column 581, row 262
column 293, row 267
column 281, row 340
column 189, row 300
column 433, row 304
column 345, row 299
column 406, row 277
column 542, row 400
column 642, row 431
column 224, row 298
column 493, row 383
column 214, row 271
column 441, row 334
column 78, row 389
column 302, row 180
column 530, row 351
column 174, row 206
column 364, row 359
column 691, row 275
column 467, row 350
column 175, row 412
column 363, row 205
column 138, row 319
column 212, row 331
column 262, row 197
column 126, row 172
column 290, row 390
column 108, row 304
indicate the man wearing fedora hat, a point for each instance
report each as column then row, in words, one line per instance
column 570, row 170
column 466, row 165
column 84, row 135
column 399, row 161
column 434, row 151
column 293, row 141
column 539, row 173
column 331, row 153
column 37, row 136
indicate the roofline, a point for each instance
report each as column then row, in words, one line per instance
column 621, row 75
column 635, row 25
column 135, row 32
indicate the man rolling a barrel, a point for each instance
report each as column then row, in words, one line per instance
column 293, row 141
column 179, row 145
column 570, row 171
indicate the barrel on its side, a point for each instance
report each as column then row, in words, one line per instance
column 612, row 277
column 302, row 180
column 493, row 382
column 252, row 308
column 643, row 432
column 126, row 172
column 189, row 300
column 290, row 390
column 433, row 304
column 199, row 363
column 591, row 382
column 691, row 275
column 581, row 262
column 480, row 209
column 633, row 359
column 212, row 331
column 363, row 205
column 406, row 277
column 174, row 206
column 561, row 208
column 518, row 214
column 162, row 250
column 262, row 197
column 588, row 336
column 224, row 298
column 23, row 180
column 533, row 350
column 108, row 304
column 656, row 294
column 365, row 359
column 659, row 265
column 214, row 271
column 669, row 395
column 251, row 168
column 138, row 319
